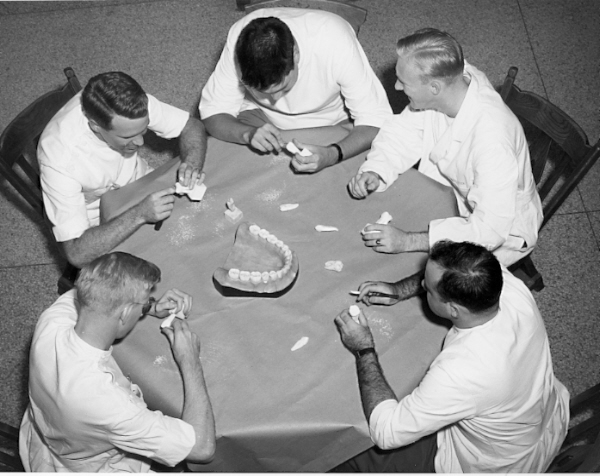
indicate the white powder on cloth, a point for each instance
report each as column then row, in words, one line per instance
column 183, row 231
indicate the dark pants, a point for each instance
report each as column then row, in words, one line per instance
column 415, row 458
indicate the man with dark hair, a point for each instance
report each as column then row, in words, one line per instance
column 91, row 146
column 462, row 135
column 489, row 402
column 288, row 68
column 84, row 415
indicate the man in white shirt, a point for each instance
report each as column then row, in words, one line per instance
column 490, row 396
column 290, row 68
column 91, row 146
column 84, row 414
column 463, row 135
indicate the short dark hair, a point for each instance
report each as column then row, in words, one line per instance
column 265, row 52
column 113, row 93
column 114, row 279
column 472, row 275
column 436, row 53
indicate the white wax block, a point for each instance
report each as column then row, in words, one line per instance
column 286, row 207
column 301, row 343
column 168, row 321
column 354, row 310
column 294, row 150
column 233, row 215
column 334, row 265
column 196, row 194
column 384, row 219
column 325, row 228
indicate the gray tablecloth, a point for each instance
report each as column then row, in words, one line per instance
column 277, row 409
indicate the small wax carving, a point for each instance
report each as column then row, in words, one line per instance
column 334, row 265
column 169, row 320
column 233, row 213
column 325, row 228
column 294, row 150
column 286, row 207
column 301, row 343
column 354, row 311
column 384, row 219
column 196, row 194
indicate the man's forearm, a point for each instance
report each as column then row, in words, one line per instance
column 197, row 411
column 102, row 239
column 374, row 388
column 227, row 128
column 411, row 286
column 359, row 140
column 192, row 143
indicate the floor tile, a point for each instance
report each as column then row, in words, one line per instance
column 569, row 259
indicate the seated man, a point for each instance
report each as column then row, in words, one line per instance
column 287, row 68
column 84, row 415
column 464, row 136
column 91, row 146
column 490, row 399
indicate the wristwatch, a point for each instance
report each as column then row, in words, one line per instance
column 369, row 350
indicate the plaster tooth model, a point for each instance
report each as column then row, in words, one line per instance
column 234, row 273
column 263, row 233
column 256, row 277
column 265, row 276
column 254, row 229
column 291, row 147
column 286, row 207
column 245, row 276
column 232, row 213
column 334, row 265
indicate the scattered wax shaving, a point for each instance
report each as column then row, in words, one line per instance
column 301, row 343
column 286, row 207
column 325, row 228
column 334, row 266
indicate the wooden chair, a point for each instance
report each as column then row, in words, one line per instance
column 580, row 452
column 560, row 156
column 9, row 450
column 354, row 15
column 18, row 152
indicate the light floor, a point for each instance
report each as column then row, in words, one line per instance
column 171, row 47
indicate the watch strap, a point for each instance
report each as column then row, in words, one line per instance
column 367, row 350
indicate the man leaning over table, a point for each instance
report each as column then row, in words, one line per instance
column 288, row 68
column 489, row 401
column 463, row 135
column 91, row 146
column 84, row 415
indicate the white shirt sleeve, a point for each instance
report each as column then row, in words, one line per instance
column 165, row 120
column 488, row 206
column 396, row 148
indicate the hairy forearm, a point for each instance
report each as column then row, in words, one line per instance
column 374, row 388
column 102, row 239
column 227, row 128
column 197, row 411
column 411, row 286
column 192, row 142
column 358, row 140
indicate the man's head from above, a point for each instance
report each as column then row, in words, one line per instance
column 463, row 282
column 117, row 283
column 117, row 110
column 428, row 60
column 267, row 58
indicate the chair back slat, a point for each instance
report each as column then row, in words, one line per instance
column 560, row 152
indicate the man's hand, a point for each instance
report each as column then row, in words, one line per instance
column 189, row 174
column 157, row 206
column 389, row 239
column 355, row 336
column 321, row 157
column 364, row 184
column 184, row 342
column 367, row 288
column 267, row 138
column 173, row 300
